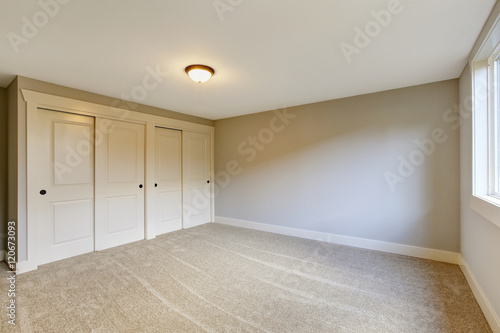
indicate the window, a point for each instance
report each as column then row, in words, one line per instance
column 485, row 67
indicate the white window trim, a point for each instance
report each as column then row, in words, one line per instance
column 483, row 200
column 493, row 105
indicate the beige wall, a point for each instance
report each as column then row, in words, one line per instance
column 3, row 167
column 326, row 170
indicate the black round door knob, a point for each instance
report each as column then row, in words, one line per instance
column 208, row 181
column 156, row 185
column 43, row 192
column 140, row 186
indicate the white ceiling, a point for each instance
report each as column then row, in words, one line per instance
column 266, row 54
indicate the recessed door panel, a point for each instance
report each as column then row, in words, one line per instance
column 65, row 163
column 73, row 163
column 73, row 221
column 197, row 168
column 122, row 212
column 122, row 155
column 197, row 209
column 170, row 203
column 119, row 184
column 168, row 180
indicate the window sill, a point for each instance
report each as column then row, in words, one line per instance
column 488, row 207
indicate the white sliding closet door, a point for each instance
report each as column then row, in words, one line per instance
column 168, row 180
column 65, row 177
column 119, row 183
column 196, row 179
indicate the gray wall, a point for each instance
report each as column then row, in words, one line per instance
column 3, row 167
column 326, row 170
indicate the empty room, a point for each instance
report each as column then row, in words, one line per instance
column 250, row 166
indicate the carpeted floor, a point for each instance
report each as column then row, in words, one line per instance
column 216, row 278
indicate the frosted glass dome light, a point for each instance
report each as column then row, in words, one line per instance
column 200, row 73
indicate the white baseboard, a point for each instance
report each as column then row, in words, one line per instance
column 408, row 250
column 24, row 267
column 5, row 258
column 481, row 298
column 21, row 267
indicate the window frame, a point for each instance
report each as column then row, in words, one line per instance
column 485, row 199
column 493, row 114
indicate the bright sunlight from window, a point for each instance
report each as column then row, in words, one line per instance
column 494, row 134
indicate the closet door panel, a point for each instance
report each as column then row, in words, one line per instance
column 65, row 180
column 119, row 183
column 168, row 180
column 196, row 179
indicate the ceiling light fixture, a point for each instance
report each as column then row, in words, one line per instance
column 200, row 73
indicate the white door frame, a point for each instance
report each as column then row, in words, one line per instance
column 35, row 100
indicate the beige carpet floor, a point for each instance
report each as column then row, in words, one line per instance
column 216, row 278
